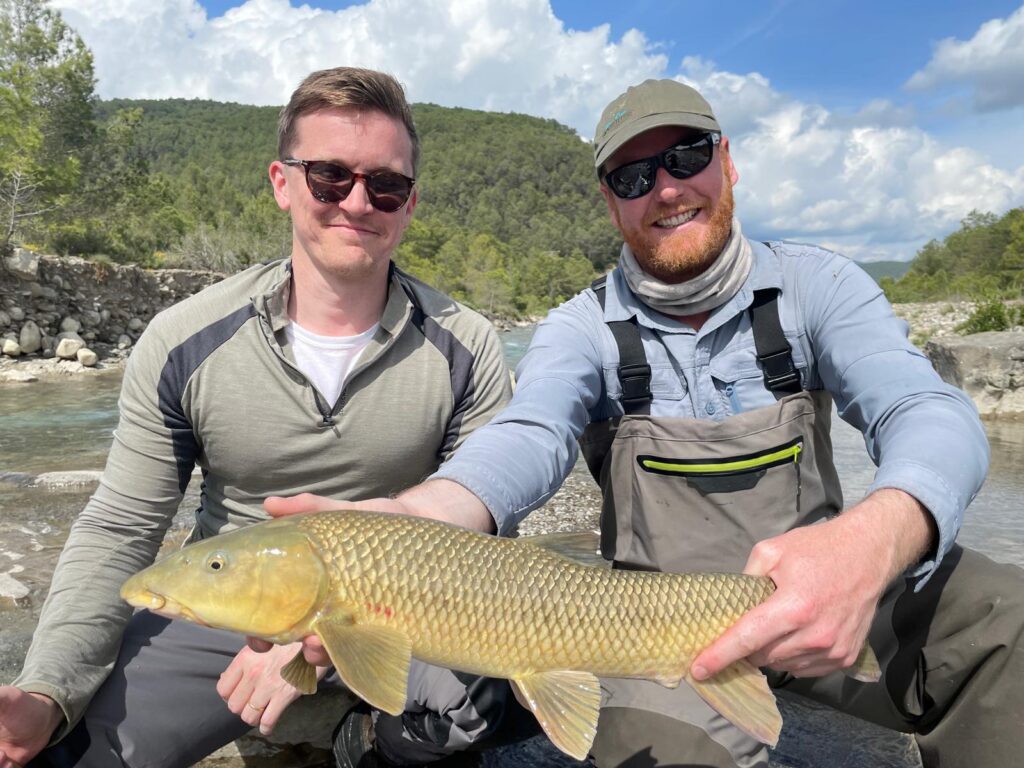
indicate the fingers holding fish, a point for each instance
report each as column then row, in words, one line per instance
column 258, row 644
column 314, row 651
column 283, row 506
column 253, row 688
column 817, row 620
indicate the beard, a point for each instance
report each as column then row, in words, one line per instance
column 682, row 255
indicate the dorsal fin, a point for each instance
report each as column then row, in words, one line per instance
column 580, row 546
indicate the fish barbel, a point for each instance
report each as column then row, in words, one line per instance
column 379, row 589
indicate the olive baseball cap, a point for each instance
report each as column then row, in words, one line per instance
column 651, row 104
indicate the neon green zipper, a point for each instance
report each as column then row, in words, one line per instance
column 736, row 465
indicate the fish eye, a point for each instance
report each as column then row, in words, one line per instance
column 216, row 562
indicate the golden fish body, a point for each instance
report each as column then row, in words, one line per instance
column 379, row 589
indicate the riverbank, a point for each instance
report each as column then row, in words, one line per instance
column 926, row 320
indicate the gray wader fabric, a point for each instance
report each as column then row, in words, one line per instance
column 160, row 708
column 952, row 654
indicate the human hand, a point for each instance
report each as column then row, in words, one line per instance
column 283, row 506
column 829, row 578
column 27, row 721
column 253, row 687
column 443, row 500
column 312, row 649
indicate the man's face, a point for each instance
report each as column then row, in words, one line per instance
column 349, row 238
column 678, row 229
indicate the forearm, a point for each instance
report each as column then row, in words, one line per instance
column 895, row 527
column 448, row 501
column 78, row 636
column 924, row 434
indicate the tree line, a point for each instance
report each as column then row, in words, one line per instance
column 981, row 261
column 509, row 220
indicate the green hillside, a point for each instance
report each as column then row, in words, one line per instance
column 509, row 218
column 879, row 269
column 526, row 181
column 983, row 260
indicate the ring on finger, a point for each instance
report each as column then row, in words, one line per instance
column 250, row 705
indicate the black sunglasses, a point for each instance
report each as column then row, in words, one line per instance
column 332, row 182
column 682, row 161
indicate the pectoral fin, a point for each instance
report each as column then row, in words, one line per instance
column 566, row 704
column 865, row 668
column 372, row 661
column 741, row 694
column 300, row 673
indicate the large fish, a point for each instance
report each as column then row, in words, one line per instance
column 379, row 588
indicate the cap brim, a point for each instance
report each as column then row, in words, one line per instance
column 644, row 124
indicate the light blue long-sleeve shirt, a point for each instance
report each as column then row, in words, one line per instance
column 923, row 434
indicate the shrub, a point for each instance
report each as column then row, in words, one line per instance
column 989, row 315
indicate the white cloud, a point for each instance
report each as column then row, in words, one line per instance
column 502, row 55
column 868, row 183
column 991, row 63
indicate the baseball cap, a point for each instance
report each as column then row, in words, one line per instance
column 651, row 104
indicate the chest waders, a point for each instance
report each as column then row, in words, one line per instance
column 696, row 494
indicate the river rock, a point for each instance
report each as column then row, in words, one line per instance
column 11, row 348
column 17, row 314
column 68, row 346
column 18, row 377
column 23, row 264
column 30, row 338
column 5, row 319
column 124, row 341
column 70, row 325
column 12, row 590
column 987, row 366
column 87, row 357
column 71, row 480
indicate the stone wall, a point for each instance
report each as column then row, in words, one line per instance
column 83, row 311
column 987, row 366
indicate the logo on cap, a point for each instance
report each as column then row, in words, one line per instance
column 615, row 118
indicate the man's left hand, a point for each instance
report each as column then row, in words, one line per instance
column 253, row 687
column 829, row 578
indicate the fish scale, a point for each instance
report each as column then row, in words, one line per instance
column 501, row 606
column 381, row 589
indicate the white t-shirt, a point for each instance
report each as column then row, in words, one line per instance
column 326, row 360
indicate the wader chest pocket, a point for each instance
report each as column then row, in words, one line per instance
column 728, row 474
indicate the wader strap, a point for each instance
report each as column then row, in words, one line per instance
column 773, row 351
column 634, row 372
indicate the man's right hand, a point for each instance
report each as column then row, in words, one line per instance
column 27, row 720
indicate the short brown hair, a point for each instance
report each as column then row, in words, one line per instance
column 346, row 87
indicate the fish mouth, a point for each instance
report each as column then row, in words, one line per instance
column 161, row 605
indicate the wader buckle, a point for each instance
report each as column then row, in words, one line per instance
column 779, row 371
column 636, row 384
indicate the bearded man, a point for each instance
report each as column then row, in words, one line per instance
column 699, row 380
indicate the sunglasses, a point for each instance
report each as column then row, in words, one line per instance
column 682, row 161
column 332, row 182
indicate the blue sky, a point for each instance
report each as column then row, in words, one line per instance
column 869, row 127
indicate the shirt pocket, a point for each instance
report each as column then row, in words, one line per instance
column 739, row 381
column 665, row 383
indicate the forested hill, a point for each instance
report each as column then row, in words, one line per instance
column 522, row 179
column 513, row 197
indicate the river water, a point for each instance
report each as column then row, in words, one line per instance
column 67, row 424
